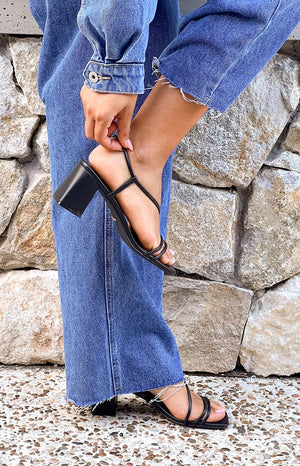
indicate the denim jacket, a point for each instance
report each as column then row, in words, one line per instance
column 118, row 31
column 219, row 48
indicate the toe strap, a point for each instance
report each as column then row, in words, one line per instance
column 157, row 256
column 162, row 248
column 206, row 410
column 190, row 406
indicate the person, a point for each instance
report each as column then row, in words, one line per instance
column 97, row 82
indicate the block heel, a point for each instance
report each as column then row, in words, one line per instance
column 77, row 190
column 106, row 408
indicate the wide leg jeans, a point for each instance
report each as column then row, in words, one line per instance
column 116, row 340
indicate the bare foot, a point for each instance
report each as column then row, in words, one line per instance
column 142, row 214
column 178, row 404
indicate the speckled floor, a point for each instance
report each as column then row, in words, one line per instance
column 38, row 427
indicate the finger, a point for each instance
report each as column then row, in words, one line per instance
column 101, row 130
column 123, row 133
column 124, row 122
column 89, row 128
column 111, row 144
column 112, row 128
column 102, row 133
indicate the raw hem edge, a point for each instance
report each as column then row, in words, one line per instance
column 89, row 405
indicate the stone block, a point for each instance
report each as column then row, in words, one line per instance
column 292, row 140
column 40, row 147
column 201, row 230
column 25, row 54
column 270, row 246
column 12, row 182
column 229, row 149
column 271, row 343
column 285, row 159
column 29, row 240
column 30, row 318
column 17, row 123
column 207, row 319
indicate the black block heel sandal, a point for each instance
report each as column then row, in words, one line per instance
column 105, row 408
column 77, row 190
column 199, row 423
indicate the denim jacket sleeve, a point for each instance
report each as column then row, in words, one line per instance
column 118, row 33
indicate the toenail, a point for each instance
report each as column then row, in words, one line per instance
column 172, row 252
column 219, row 410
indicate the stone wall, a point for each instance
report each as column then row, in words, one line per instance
column 234, row 224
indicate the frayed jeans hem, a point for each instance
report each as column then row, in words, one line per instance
column 213, row 112
column 89, row 404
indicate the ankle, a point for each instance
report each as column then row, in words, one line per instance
column 148, row 150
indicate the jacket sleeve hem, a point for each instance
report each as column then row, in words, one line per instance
column 120, row 78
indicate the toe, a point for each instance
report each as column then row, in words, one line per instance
column 167, row 258
column 197, row 409
column 171, row 256
column 217, row 412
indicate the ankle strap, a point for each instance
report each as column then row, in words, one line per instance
column 128, row 161
column 134, row 179
column 158, row 400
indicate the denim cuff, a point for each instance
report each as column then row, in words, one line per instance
column 115, row 78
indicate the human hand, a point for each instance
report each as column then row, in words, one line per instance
column 104, row 113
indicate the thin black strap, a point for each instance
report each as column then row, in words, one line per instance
column 148, row 194
column 207, row 407
column 153, row 251
column 157, row 256
column 136, row 181
column 125, row 185
column 190, row 406
column 206, row 410
column 128, row 161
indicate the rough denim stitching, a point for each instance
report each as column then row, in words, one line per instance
column 108, row 245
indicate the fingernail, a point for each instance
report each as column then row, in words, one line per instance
column 219, row 410
column 129, row 144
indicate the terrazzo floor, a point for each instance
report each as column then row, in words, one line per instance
column 38, row 427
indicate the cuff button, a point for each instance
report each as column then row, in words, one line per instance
column 93, row 77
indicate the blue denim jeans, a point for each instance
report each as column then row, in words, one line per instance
column 116, row 340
